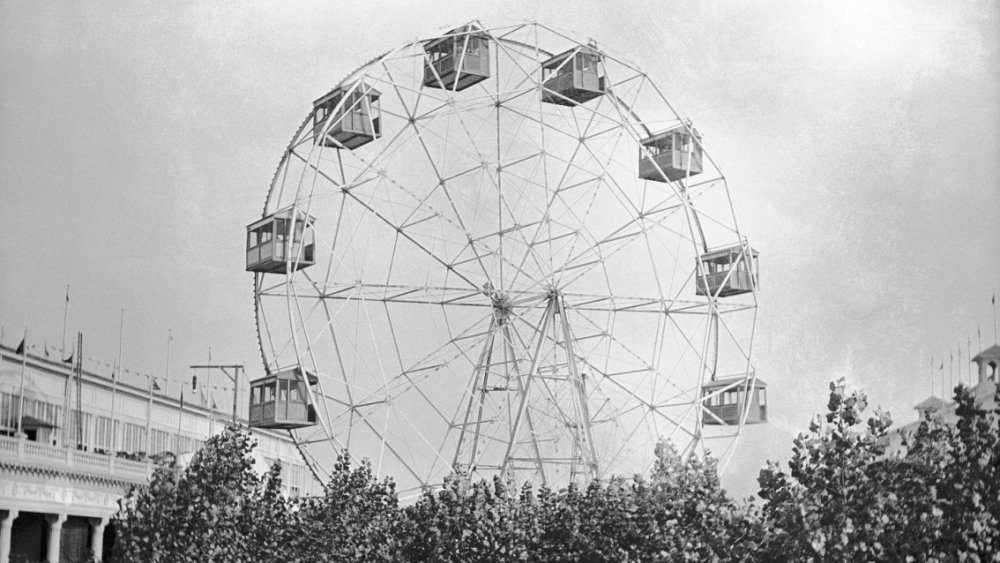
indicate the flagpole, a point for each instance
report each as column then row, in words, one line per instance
column 211, row 410
column 951, row 372
column 959, row 363
column 24, row 366
column 78, row 368
column 932, row 376
column 180, row 418
column 149, row 415
column 65, row 316
column 941, row 370
column 67, row 398
column 166, row 377
column 969, row 350
column 114, row 380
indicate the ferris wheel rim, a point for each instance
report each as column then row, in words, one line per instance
column 290, row 274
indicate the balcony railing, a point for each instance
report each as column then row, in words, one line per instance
column 36, row 454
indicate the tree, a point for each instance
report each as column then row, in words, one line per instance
column 967, row 486
column 844, row 499
column 471, row 521
column 680, row 513
column 840, row 500
column 215, row 509
column 356, row 519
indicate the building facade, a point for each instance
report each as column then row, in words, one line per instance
column 983, row 386
column 72, row 441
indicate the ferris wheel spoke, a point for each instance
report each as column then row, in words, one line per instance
column 324, row 416
column 390, row 395
column 644, row 367
column 413, row 240
column 432, row 363
column 545, row 228
column 263, row 328
column 617, row 240
column 442, row 185
column 357, row 411
column 421, row 94
column 566, row 418
column 595, row 178
column 285, row 346
column 628, row 437
column 613, row 377
column 522, row 299
column 405, row 461
column 349, row 193
column 524, row 75
column 735, row 340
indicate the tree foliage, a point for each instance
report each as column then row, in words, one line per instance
column 844, row 499
column 356, row 519
column 216, row 509
column 841, row 498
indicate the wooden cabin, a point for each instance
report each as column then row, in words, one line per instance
column 725, row 399
column 269, row 249
column 350, row 116
column 572, row 77
column 727, row 271
column 458, row 60
column 280, row 400
column 676, row 151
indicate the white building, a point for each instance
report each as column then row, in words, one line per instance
column 60, row 481
column 983, row 389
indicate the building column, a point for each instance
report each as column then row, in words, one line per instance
column 55, row 536
column 97, row 536
column 7, row 518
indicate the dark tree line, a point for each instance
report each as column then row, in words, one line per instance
column 841, row 498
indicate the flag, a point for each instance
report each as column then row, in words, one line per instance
column 45, row 348
column 194, row 382
column 156, row 386
column 941, row 367
column 214, row 405
column 20, row 347
column 182, row 398
column 69, row 360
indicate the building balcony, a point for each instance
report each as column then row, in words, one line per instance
column 24, row 453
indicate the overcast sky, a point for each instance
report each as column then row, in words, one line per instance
column 860, row 141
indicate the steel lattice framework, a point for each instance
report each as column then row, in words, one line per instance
column 495, row 288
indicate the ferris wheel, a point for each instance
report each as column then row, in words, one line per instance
column 501, row 251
